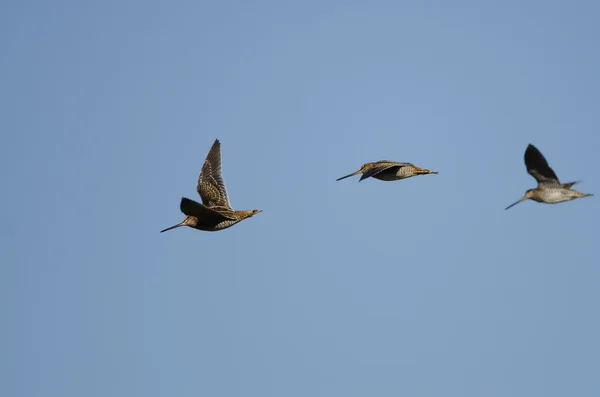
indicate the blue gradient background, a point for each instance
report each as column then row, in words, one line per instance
column 424, row 287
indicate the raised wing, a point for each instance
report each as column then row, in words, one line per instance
column 538, row 167
column 211, row 186
column 381, row 166
column 193, row 208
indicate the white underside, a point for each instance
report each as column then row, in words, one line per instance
column 557, row 196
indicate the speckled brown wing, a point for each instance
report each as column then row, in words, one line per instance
column 381, row 166
column 211, row 186
column 537, row 167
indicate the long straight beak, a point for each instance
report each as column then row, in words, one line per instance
column 173, row 227
column 349, row 175
column 516, row 202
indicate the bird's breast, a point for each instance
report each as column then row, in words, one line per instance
column 554, row 196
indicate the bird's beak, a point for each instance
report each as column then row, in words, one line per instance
column 516, row 202
column 349, row 175
column 173, row 227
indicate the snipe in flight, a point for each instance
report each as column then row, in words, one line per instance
column 549, row 189
column 215, row 212
column 386, row 170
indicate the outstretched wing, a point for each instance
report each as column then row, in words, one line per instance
column 538, row 167
column 211, row 186
column 193, row 208
column 381, row 166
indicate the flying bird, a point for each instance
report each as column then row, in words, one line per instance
column 215, row 212
column 386, row 170
column 549, row 189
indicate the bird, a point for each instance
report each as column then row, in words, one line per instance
column 201, row 217
column 549, row 189
column 215, row 212
column 386, row 170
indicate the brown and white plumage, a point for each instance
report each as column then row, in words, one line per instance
column 211, row 186
column 386, row 170
column 201, row 217
column 215, row 212
column 549, row 189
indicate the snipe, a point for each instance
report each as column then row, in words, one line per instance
column 386, row 170
column 215, row 212
column 549, row 189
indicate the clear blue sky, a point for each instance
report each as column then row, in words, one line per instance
column 422, row 288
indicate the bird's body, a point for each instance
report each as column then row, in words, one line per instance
column 551, row 195
column 215, row 212
column 210, row 219
column 549, row 189
column 386, row 170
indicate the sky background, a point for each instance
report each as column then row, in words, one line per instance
column 424, row 287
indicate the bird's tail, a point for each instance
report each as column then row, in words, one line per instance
column 423, row 171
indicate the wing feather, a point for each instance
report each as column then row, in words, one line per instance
column 193, row 208
column 537, row 166
column 380, row 166
column 211, row 186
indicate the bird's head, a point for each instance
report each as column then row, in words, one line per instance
column 528, row 195
column 365, row 167
column 190, row 221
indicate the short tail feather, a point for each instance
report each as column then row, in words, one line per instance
column 426, row 171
